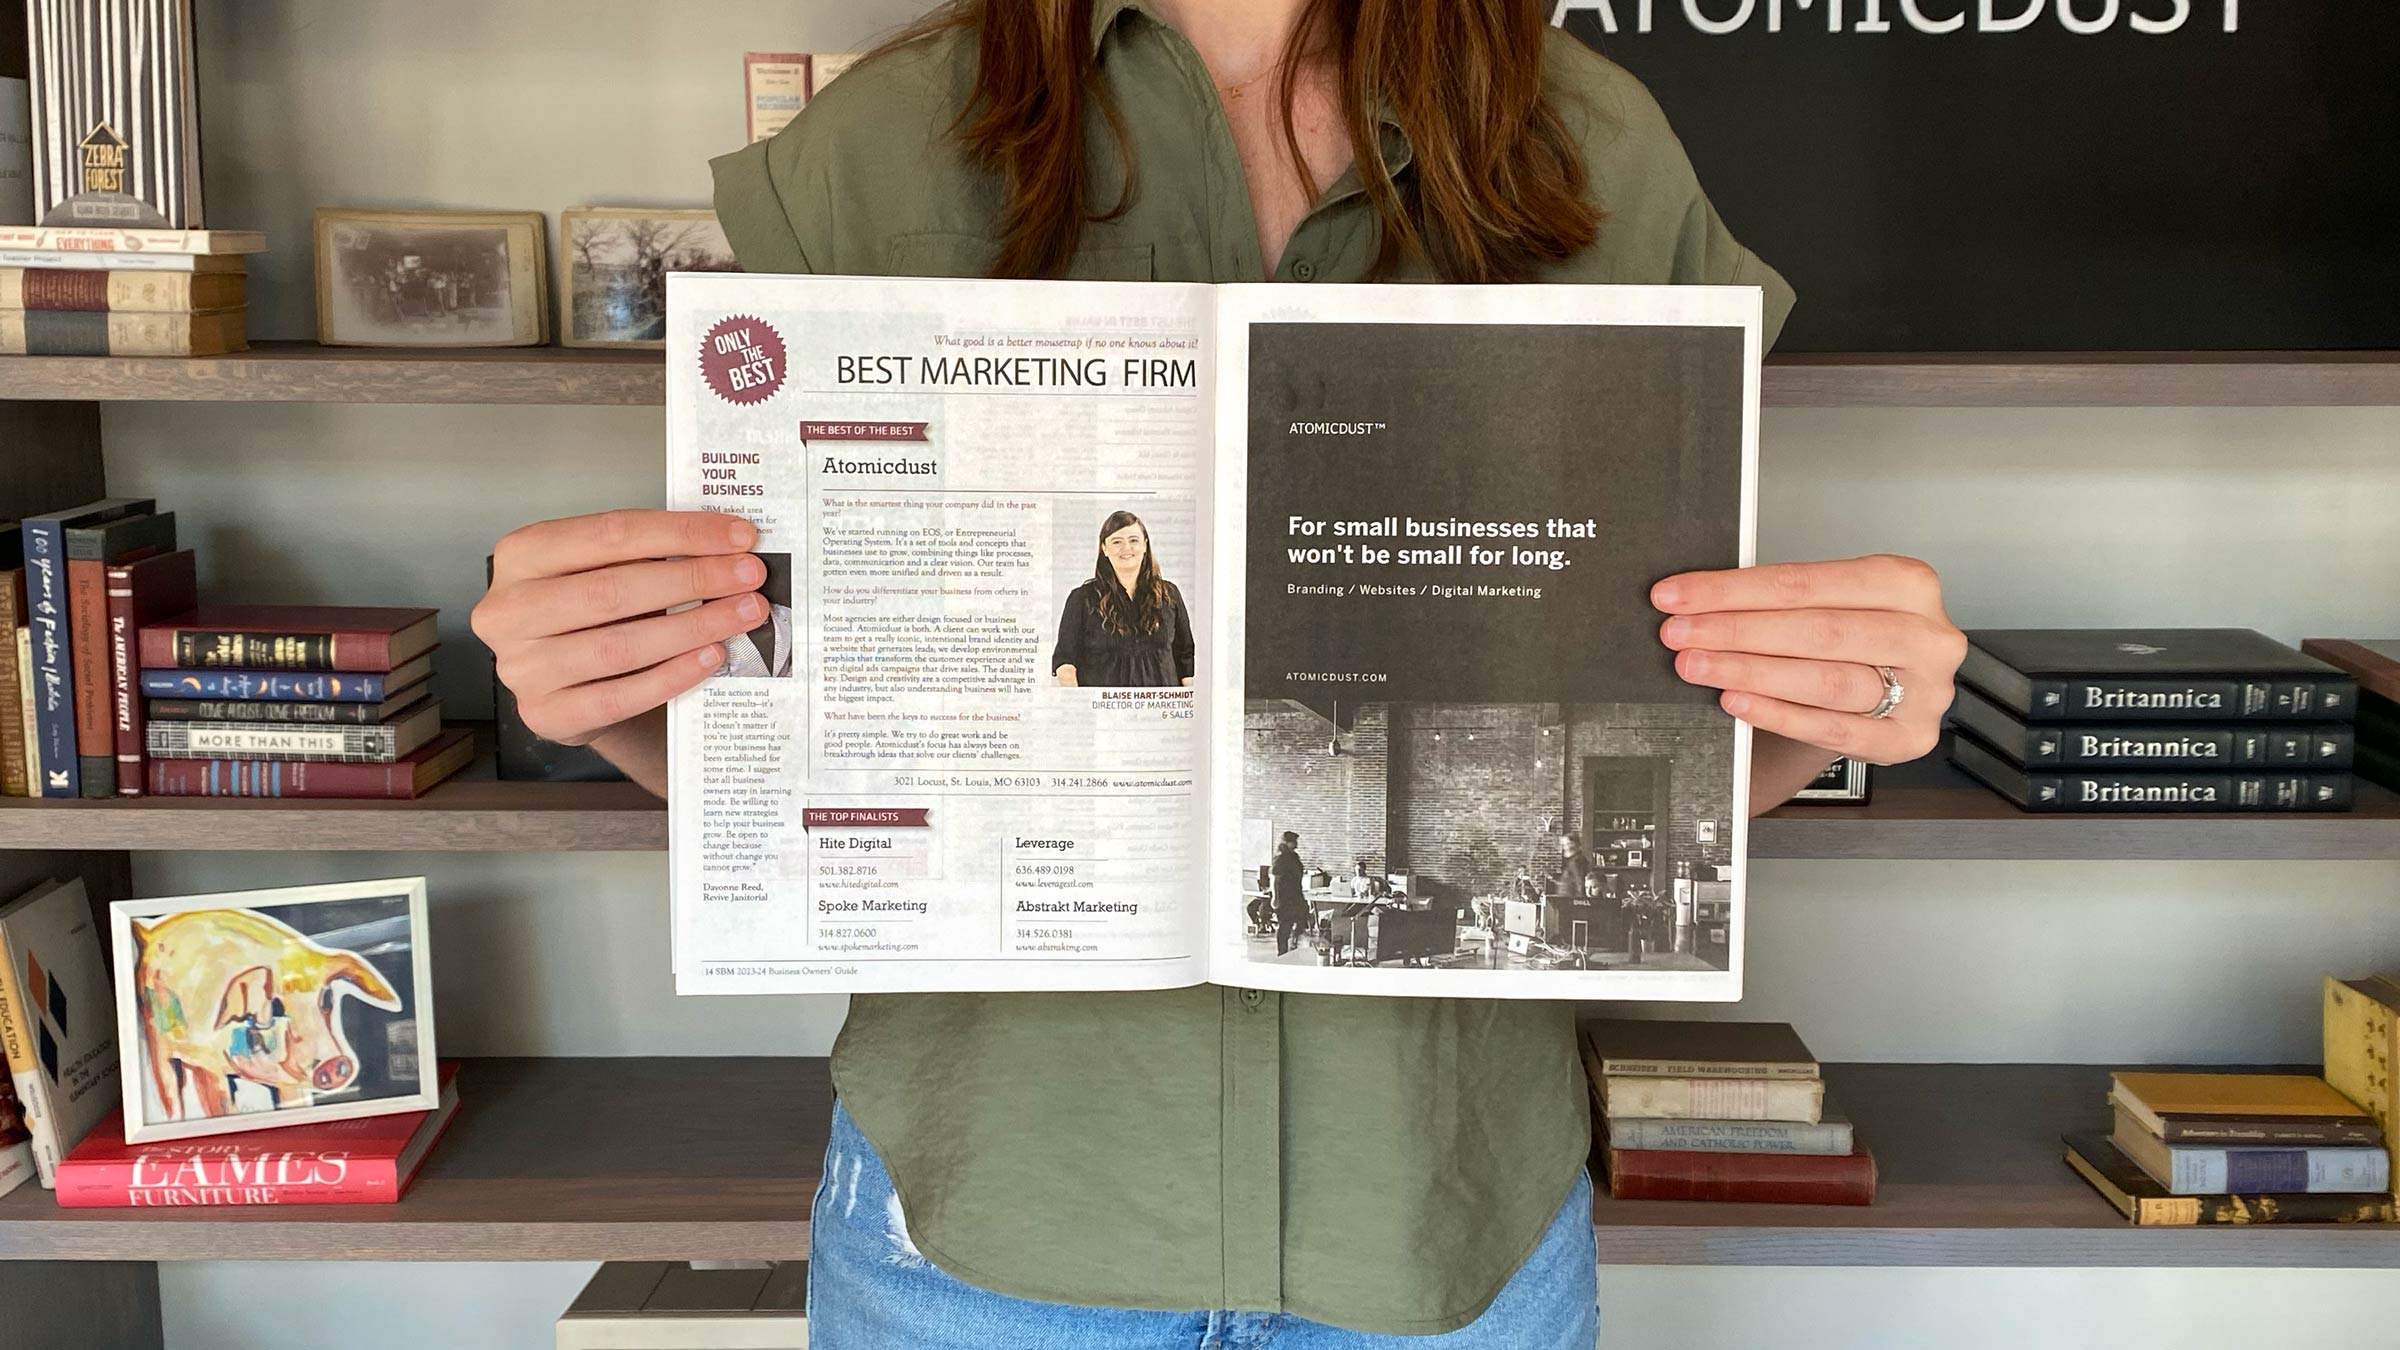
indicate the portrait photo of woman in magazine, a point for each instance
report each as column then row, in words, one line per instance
column 1127, row 627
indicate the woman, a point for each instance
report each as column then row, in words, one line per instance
column 1185, row 1167
column 1126, row 628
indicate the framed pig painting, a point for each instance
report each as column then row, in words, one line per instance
column 251, row 1009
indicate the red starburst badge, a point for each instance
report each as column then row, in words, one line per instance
column 742, row 358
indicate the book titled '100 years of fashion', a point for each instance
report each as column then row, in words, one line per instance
column 1140, row 635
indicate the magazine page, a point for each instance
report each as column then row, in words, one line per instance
column 965, row 751
column 1464, row 765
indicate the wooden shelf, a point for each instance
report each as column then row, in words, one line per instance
column 1928, row 809
column 303, row 372
column 457, row 817
column 549, row 1160
column 470, row 813
column 1971, row 1175
column 545, row 1163
column 1922, row 810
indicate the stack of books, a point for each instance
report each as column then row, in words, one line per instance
column 2375, row 664
column 114, row 682
column 92, row 291
column 294, row 701
column 1730, row 1111
column 2210, row 1148
column 2185, row 719
column 74, row 584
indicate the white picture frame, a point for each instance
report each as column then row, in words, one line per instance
column 1844, row 781
column 290, row 979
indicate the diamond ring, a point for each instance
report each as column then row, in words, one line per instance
column 1893, row 693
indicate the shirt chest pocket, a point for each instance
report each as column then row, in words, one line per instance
column 968, row 255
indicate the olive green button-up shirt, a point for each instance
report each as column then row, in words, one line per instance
column 1380, row 1164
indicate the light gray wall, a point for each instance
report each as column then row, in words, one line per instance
column 2279, row 519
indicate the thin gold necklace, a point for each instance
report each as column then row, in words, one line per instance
column 1233, row 92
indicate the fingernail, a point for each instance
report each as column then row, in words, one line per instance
column 741, row 534
column 752, row 607
column 1665, row 594
column 750, row 571
column 1690, row 665
column 1676, row 630
column 1738, row 704
column 708, row 658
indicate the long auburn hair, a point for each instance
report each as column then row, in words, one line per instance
column 1497, row 186
column 1146, row 606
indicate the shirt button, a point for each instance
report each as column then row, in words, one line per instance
column 1304, row 270
column 1252, row 998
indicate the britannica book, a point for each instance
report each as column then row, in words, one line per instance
column 1138, row 635
column 2198, row 790
column 2153, row 675
column 2317, row 747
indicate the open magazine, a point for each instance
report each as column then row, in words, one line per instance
column 1136, row 635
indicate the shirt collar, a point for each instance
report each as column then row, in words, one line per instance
column 1105, row 13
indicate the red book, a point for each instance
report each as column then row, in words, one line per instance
column 91, row 551
column 1745, row 1178
column 289, row 637
column 139, row 593
column 342, row 1162
column 403, row 778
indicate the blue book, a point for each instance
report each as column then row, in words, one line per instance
column 285, row 686
column 46, row 617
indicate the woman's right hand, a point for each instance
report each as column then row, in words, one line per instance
column 575, row 620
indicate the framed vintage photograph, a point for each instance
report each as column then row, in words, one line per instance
column 612, row 270
column 1844, row 780
column 250, row 1009
column 394, row 278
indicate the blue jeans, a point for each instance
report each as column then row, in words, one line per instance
column 870, row 1289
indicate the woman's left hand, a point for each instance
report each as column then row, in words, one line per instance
column 1795, row 646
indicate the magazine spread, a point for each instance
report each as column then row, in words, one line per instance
column 1137, row 635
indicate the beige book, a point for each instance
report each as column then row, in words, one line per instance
column 123, row 291
column 105, row 239
column 138, row 334
column 1796, row 1099
column 2361, row 1039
